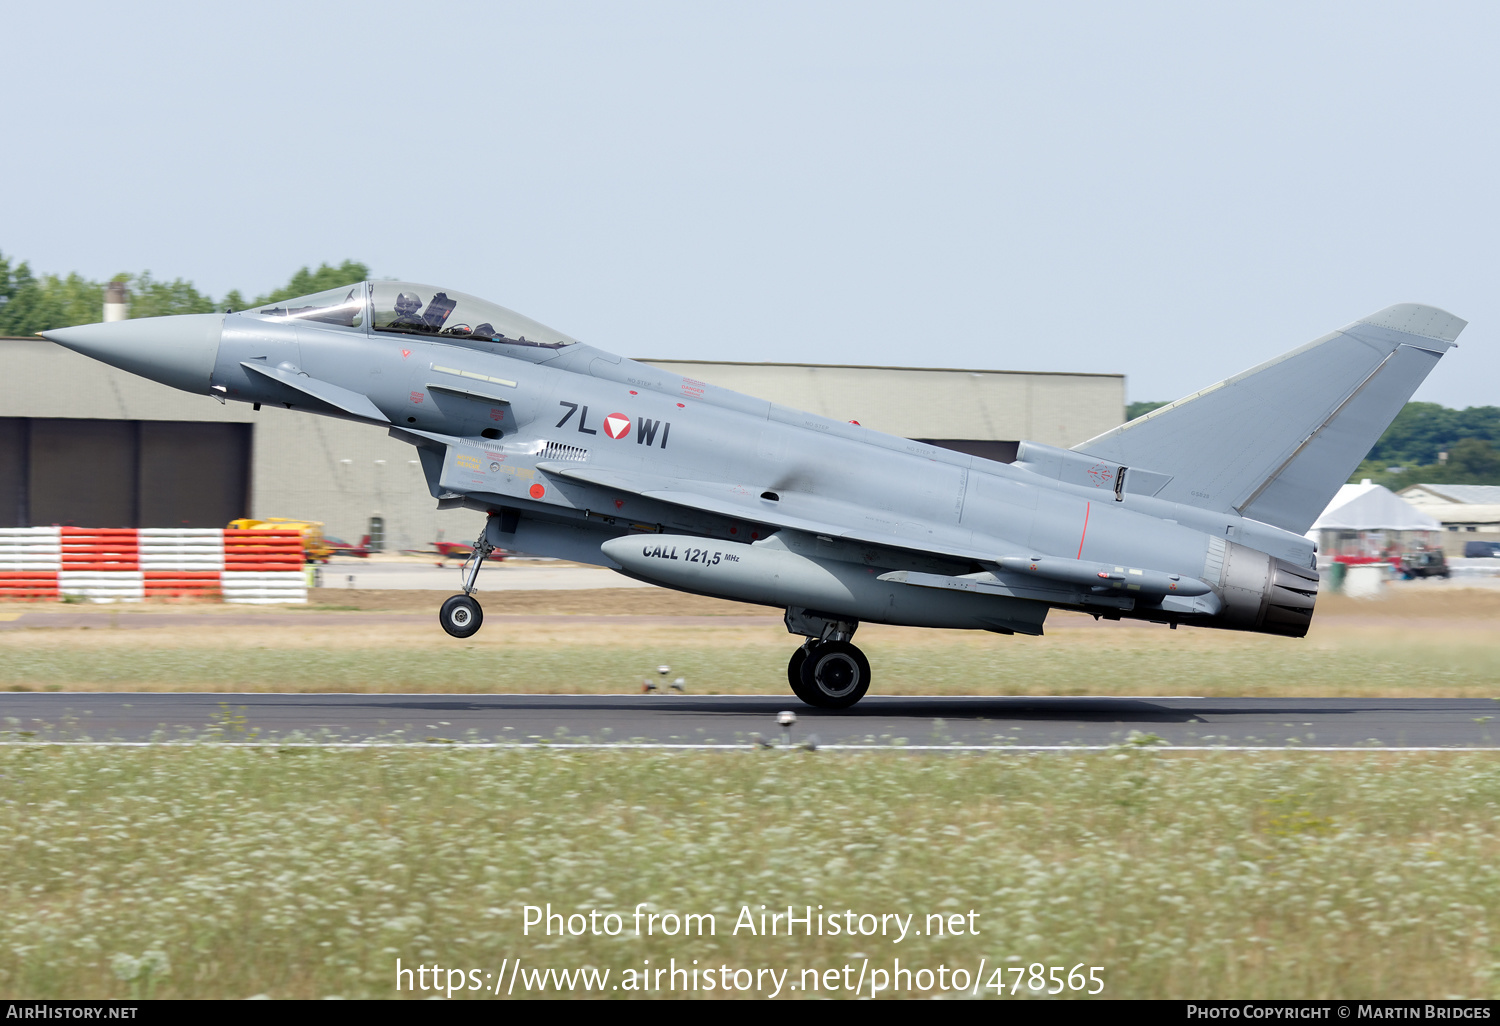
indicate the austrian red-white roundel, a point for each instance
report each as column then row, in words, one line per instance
column 617, row 425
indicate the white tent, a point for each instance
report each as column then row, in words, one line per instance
column 1372, row 507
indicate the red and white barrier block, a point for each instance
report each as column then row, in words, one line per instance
column 30, row 558
column 100, row 564
column 128, row 564
column 264, row 567
column 181, row 562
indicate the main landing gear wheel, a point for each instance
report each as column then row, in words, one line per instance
column 794, row 666
column 794, row 675
column 461, row 616
column 831, row 674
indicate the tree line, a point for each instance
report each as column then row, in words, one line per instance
column 1426, row 443
column 31, row 302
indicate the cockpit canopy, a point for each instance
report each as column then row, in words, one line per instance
column 423, row 310
column 343, row 306
column 407, row 308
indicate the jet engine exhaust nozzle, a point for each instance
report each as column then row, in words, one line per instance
column 1264, row 594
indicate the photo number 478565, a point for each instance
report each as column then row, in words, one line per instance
column 1039, row 978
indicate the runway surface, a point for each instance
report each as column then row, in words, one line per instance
column 731, row 720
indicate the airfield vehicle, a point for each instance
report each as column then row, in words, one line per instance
column 1424, row 563
column 315, row 548
column 1192, row 514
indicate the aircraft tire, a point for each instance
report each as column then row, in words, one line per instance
column 794, row 676
column 834, row 675
column 461, row 616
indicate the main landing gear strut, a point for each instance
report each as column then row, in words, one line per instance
column 461, row 615
column 827, row 672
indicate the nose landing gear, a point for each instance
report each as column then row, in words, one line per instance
column 827, row 672
column 462, row 615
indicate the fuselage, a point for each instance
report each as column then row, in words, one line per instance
column 571, row 447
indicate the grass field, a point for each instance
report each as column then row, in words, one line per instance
column 211, row 871
column 216, row 871
column 1415, row 644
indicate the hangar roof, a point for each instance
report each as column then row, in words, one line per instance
column 1060, row 409
column 1472, row 494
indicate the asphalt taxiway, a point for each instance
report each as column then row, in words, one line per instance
column 726, row 720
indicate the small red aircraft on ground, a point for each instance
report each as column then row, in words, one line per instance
column 453, row 550
column 343, row 548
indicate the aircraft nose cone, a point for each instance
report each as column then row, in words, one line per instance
column 179, row 351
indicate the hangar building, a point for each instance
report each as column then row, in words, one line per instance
column 86, row 444
column 1467, row 512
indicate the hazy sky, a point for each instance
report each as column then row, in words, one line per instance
column 1171, row 191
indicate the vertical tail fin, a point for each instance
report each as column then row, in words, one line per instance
column 1274, row 443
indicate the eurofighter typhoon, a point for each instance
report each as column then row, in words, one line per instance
column 1193, row 514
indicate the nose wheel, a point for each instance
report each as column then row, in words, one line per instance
column 829, row 674
column 461, row 616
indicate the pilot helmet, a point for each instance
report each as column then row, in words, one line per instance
column 407, row 304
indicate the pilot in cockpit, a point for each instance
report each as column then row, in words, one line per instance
column 408, row 307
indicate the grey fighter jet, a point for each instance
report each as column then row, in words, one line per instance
column 1193, row 514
